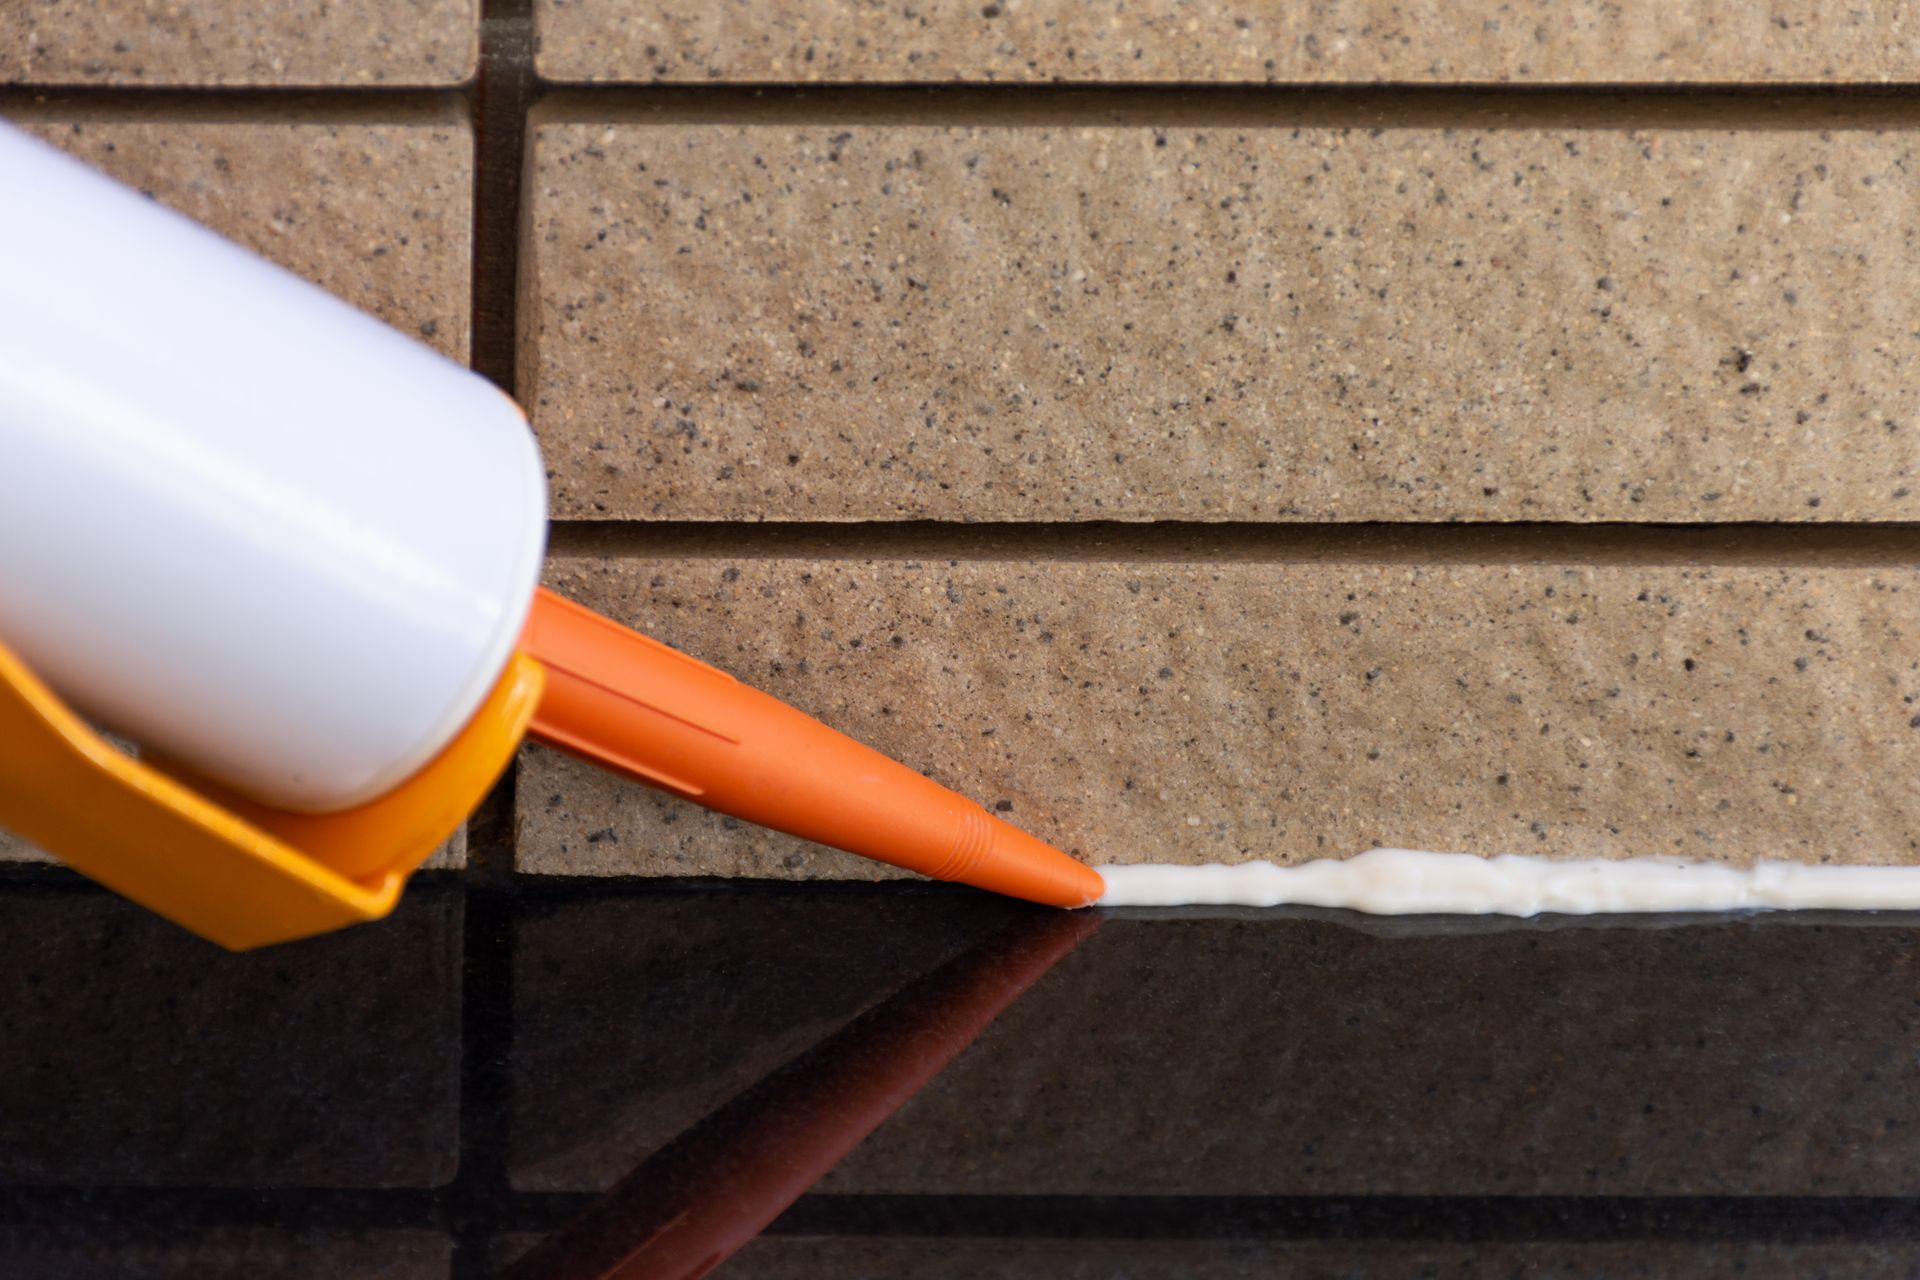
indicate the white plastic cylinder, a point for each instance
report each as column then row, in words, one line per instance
column 241, row 522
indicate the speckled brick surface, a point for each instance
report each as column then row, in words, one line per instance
column 1134, row 712
column 1047, row 41
column 346, row 43
column 379, row 213
column 1216, row 322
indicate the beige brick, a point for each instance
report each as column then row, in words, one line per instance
column 805, row 1257
column 1733, row 1058
column 1159, row 710
column 228, row 1253
column 378, row 213
column 1643, row 318
column 358, row 43
column 1045, row 41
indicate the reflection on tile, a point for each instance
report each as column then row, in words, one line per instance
column 1295, row 1055
column 509, row 1249
column 800, row 1258
column 136, row 1054
column 634, row 1018
column 711, row 1190
column 97, row 1253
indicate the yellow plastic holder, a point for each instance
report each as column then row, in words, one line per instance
column 232, row 871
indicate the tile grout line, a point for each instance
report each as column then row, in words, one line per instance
column 1487, row 1218
column 1594, row 106
column 1624, row 106
column 474, row 1200
column 1492, row 1218
column 1749, row 543
column 240, row 105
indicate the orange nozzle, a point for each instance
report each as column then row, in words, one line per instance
column 652, row 713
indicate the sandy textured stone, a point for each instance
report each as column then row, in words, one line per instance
column 1725, row 1058
column 377, row 213
column 1200, row 712
column 805, row 1258
column 230, row 42
column 107, row 1249
column 1160, row 320
column 1042, row 41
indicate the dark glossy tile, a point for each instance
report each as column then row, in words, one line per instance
column 135, row 1054
column 636, row 1017
column 1278, row 1055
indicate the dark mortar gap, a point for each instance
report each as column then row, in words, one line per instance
column 242, row 106
column 1849, row 545
column 1249, row 106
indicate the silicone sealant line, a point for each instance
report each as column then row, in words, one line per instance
column 1411, row 882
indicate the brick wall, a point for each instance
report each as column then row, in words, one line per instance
column 1204, row 431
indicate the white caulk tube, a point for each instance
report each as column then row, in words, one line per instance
column 241, row 522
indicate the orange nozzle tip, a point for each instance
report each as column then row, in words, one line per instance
column 1024, row 866
column 1075, row 885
